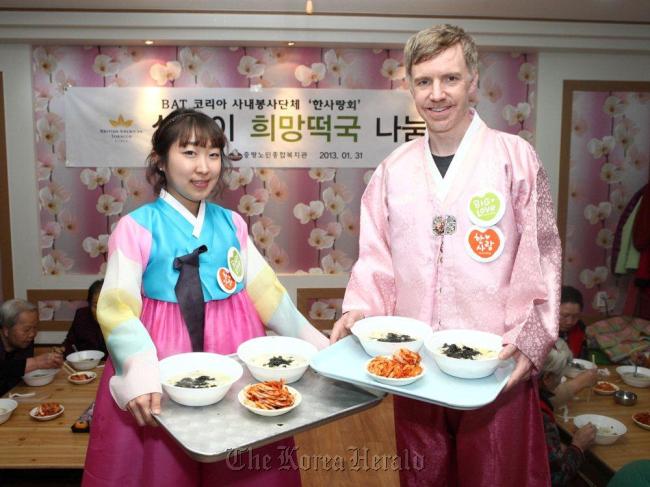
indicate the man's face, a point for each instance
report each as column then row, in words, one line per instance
column 442, row 87
column 569, row 316
column 22, row 334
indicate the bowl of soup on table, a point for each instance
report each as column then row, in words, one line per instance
column 608, row 430
column 7, row 406
column 639, row 379
column 40, row 377
column 85, row 360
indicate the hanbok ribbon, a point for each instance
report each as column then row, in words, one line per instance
column 190, row 295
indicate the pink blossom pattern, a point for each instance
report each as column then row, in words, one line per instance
column 609, row 163
column 86, row 203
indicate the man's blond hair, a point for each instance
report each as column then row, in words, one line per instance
column 430, row 42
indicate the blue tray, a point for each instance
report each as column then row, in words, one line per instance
column 346, row 359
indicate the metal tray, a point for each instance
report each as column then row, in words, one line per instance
column 209, row 433
column 346, row 359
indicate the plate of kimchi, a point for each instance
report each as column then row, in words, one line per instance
column 605, row 388
column 47, row 411
column 642, row 419
column 402, row 368
column 270, row 398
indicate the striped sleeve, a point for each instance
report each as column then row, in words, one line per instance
column 118, row 312
column 270, row 298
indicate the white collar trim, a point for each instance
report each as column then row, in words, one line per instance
column 195, row 221
column 444, row 184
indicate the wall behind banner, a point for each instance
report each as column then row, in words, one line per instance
column 302, row 219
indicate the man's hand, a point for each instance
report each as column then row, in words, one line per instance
column 342, row 326
column 522, row 365
column 143, row 407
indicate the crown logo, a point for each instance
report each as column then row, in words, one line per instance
column 120, row 122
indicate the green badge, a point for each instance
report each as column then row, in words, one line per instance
column 235, row 265
column 486, row 209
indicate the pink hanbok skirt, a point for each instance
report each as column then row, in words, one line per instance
column 122, row 454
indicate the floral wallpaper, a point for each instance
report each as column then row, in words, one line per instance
column 303, row 220
column 609, row 163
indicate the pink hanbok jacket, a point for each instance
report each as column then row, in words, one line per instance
column 405, row 269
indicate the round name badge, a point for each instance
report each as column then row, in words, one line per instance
column 226, row 282
column 235, row 265
column 486, row 209
column 484, row 244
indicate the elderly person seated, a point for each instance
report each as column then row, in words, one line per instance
column 18, row 326
column 564, row 461
column 565, row 391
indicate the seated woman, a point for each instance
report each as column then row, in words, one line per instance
column 84, row 332
column 566, row 390
column 572, row 329
column 565, row 461
column 18, row 327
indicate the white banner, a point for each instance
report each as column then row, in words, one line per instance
column 278, row 127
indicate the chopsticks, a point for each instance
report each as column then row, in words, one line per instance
column 68, row 368
column 593, row 361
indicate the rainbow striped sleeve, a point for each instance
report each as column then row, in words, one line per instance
column 270, row 298
column 118, row 312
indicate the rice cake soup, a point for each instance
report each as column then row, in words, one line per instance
column 390, row 337
column 199, row 379
column 279, row 361
column 461, row 351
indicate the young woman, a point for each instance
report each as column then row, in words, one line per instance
column 147, row 313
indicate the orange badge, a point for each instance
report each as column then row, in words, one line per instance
column 226, row 282
column 484, row 245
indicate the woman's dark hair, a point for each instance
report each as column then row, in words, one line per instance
column 571, row 295
column 94, row 288
column 184, row 125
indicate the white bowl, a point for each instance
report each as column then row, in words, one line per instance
column 297, row 399
column 573, row 372
column 465, row 368
column 34, row 411
column 40, row 377
column 364, row 329
column 627, row 374
column 8, row 406
column 176, row 366
column 393, row 381
column 91, row 377
column 609, row 429
column 85, row 360
column 267, row 346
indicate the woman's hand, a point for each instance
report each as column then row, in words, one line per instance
column 144, row 407
column 342, row 326
column 585, row 437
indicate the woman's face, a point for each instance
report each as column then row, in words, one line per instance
column 93, row 305
column 192, row 172
column 569, row 315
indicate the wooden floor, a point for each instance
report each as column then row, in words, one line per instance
column 342, row 453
